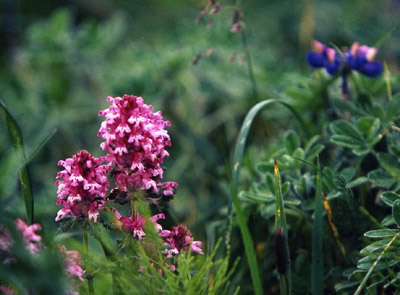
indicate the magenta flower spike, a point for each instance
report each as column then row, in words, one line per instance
column 83, row 188
column 135, row 138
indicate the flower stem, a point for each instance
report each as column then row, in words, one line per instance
column 88, row 271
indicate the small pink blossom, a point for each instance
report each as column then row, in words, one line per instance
column 72, row 263
column 33, row 241
column 135, row 138
column 6, row 242
column 83, row 188
column 6, row 290
column 135, row 223
column 179, row 238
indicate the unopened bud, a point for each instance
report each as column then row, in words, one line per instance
column 281, row 251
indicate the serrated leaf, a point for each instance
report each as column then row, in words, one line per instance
column 381, row 178
column 389, row 198
column 292, row 141
column 396, row 212
column 381, row 233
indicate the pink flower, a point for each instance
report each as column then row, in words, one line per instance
column 33, row 242
column 179, row 238
column 72, row 263
column 135, row 139
column 82, row 192
column 6, row 242
column 135, row 223
column 5, row 290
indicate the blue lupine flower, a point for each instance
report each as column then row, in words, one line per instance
column 324, row 57
column 360, row 58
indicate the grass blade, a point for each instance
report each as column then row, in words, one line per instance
column 282, row 254
column 234, row 199
column 16, row 139
column 317, row 283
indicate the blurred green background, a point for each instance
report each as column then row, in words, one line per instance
column 59, row 60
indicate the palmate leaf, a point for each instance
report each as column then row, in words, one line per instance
column 16, row 138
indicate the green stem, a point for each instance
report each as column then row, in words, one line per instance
column 365, row 279
column 317, row 268
column 88, row 271
column 249, row 64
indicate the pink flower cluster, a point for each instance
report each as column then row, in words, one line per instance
column 135, row 223
column 33, row 241
column 82, row 192
column 179, row 238
column 135, row 139
column 72, row 263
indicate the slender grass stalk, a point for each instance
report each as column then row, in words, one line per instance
column 371, row 269
column 88, row 271
column 281, row 237
column 317, row 282
column 17, row 141
column 249, row 65
column 234, row 199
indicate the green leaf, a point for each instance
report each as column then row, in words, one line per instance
column 357, row 182
column 357, row 146
column 313, row 153
column 292, row 141
column 389, row 198
column 257, row 197
column 388, row 220
column 381, row 233
column 16, row 138
column 345, row 128
column 369, row 126
column 381, row 178
column 396, row 212
column 390, row 164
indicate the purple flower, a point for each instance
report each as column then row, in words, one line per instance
column 361, row 59
column 324, row 57
column 82, row 192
